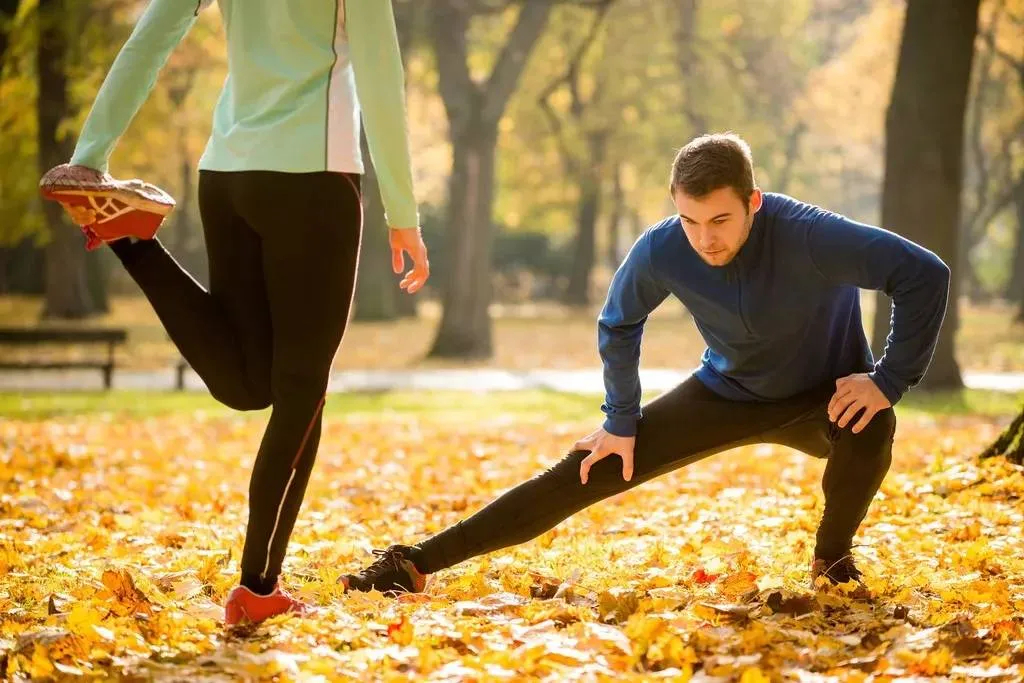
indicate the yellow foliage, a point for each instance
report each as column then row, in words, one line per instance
column 139, row 552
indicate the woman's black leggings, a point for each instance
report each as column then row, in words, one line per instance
column 283, row 249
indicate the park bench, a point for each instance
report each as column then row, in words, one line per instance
column 35, row 336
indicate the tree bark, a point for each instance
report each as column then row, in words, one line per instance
column 466, row 330
column 924, row 152
column 474, row 111
column 689, row 64
column 375, row 295
column 971, row 286
column 577, row 292
column 1015, row 288
column 615, row 218
column 8, row 8
column 22, row 268
column 67, row 286
column 791, row 154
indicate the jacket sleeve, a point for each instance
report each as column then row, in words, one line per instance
column 634, row 293
column 380, row 87
column 851, row 253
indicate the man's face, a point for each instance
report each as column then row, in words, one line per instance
column 718, row 223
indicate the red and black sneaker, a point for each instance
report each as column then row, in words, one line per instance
column 841, row 572
column 244, row 606
column 392, row 572
column 105, row 208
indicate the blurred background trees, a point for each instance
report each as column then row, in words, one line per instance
column 543, row 134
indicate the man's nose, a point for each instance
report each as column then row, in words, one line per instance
column 706, row 238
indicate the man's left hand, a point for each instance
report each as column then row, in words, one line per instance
column 853, row 394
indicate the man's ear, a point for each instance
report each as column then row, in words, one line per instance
column 756, row 200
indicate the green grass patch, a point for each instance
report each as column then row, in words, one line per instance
column 555, row 406
column 963, row 402
column 558, row 407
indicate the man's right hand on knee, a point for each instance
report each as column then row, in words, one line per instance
column 601, row 444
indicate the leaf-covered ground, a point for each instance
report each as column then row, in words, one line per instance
column 120, row 534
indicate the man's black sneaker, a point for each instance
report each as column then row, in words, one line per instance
column 392, row 572
column 838, row 572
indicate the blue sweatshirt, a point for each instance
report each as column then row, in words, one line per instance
column 784, row 316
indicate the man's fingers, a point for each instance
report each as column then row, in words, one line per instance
column 587, row 442
column 839, row 405
column 587, row 463
column 864, row 419
column 627, row 467
column 849, row 412
column 841, row 393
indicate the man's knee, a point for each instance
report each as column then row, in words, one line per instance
column 875, row 440
column 886, row 420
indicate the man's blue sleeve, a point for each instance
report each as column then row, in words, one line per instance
column 633, row 294
column 851, row 253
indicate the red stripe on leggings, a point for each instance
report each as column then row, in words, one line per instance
column 309, row 429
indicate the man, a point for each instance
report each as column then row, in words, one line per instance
column 772, row 284
column 281, row 209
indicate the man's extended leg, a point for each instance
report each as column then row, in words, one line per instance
column 681, row 427
column 223, row 333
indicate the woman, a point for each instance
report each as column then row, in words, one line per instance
column 281, row 210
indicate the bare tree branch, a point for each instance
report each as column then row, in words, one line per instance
column 1011, row 61
column 985, row 211
column 503, row 79
column 977, row 118
column 570, row 78
column 8, row 8
column 448, row 26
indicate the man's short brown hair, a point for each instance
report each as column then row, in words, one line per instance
column 710, row 162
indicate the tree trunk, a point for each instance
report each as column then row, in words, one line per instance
column 924, row 149
column 1015, row 289
column 1010, row 443
column 405, row 304
column 615, row 218
column 465, row 330
column 971, row 286
column 22, row 268
column 880, row 323
column 376, row 286
column 474, row 110
column 98, row 266
column 184, row 224
column 577, row 292
column 187, row 244
column 8, row 8
column 790, row 156
column 689, row 64
column 67, row 287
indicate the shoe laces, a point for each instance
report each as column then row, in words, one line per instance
column 842, row 570
column 388, row 560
